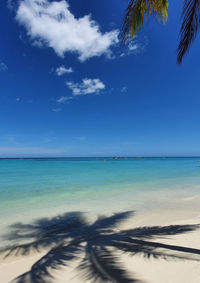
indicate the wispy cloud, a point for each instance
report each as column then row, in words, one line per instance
column 29, row 101
column 87, row 86
column 64, row 99
column 124, row 89
column 3, row 67
column 56, row 110
column 28, row 151
column 52, row 24
column 60, row 71
column 135, row 46
column 11, row 4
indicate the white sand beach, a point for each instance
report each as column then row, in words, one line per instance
column 184, row 269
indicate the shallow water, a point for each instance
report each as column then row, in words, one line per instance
column 35, row 188
column 31, row 188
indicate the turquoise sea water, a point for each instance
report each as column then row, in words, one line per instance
column 31, row 188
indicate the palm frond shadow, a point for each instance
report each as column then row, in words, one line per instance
column 71, row 236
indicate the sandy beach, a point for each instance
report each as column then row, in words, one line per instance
column 168, row 265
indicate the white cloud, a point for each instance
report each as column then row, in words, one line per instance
column 87, row 86
column 3, row 67
column 64, row 99
column 52, row 24
column 63, row 70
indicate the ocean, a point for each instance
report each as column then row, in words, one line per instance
column 45, row 187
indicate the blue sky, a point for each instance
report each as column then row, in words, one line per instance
column 69, row 88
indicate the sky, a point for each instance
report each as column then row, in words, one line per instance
column 69, row 87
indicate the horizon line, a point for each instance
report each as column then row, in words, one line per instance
column 113, row 156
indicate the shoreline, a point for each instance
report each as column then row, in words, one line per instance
column 144, row 203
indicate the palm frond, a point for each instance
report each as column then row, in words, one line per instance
column 189, row 27
column 47, row 227
column 104, row 223
column 158, row 231
column 144, row 250
column 138, row 11
column 43, row 233
column 157, row 250
column 100, row 265
column 26, row 249
column 64, row 237
column 56, row 258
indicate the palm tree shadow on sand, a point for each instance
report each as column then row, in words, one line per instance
column 72, row 237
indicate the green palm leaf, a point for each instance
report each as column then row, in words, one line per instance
column 138, row 11
column 189, row 28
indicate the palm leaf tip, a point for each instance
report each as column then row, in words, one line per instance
column 189, row 27
column 138, row 11
column 103, row 223
column 101, row 265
